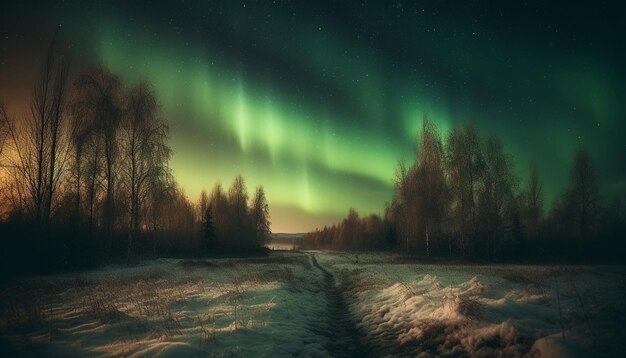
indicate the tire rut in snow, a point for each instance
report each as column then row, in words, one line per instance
column 344, row 337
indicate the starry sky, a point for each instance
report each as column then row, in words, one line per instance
column 318, row 100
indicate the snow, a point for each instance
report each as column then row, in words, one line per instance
column 281, row 306
column 554, row 346
column 407, row 308
column 171, row 308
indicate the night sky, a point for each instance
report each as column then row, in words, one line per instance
column 318, row 101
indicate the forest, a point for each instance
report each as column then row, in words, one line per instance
column 461, row 199
column 85, row 179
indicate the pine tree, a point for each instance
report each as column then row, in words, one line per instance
column 260, row 215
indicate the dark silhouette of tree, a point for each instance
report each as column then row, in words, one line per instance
column 349, row 230
column 496, row 195
column 4, row 135
column 467, row 191
column 99, row 97
column 240, row 230
column 430, row 182
column 80, row 133
column 176, row 232
column 403, row 210
column 532, row 201
column 58, row 142
column 203, row 203
column 465, row 167
column 93, row 174
column 261, row 217
column 583, row 194
column 39, row 143
column 368, row 233
column 208, row 229
column 4, row 129
column 164, row 189
column 145, row 150
column 394, row 213
column 220, row 210
column 238, row 225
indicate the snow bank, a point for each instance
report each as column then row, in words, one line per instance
column 408, row 309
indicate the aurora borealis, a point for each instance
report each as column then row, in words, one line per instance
column 318, row 101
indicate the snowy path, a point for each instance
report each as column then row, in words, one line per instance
column 344, row 337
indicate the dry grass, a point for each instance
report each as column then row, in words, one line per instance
column 152, row 304
column 102, row 308
column 22, row 315
column 470, row 308
column 207, row 324
column 353, row 283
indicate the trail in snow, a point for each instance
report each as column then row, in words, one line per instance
column 344, row 337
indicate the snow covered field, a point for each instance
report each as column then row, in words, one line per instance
column 409, row 309
column 316, row 304
column 226, row 307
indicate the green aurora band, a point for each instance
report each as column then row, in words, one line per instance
column 226, row 122
column 296, row 152
column 323, row 117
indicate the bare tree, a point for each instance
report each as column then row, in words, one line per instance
column 162, row 189
column 496, row 193
column 83, row 143
column 145, row 150
column 38, row 143
column 58, row 143
column 465, row 166
column 4, row 134
column 93, row 176
column 4, row 131
column 404, row 208
column 100, row 99
column 4, row 123
column 431, row 184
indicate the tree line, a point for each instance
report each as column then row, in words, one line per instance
column 460, row 198
column 86, row 178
